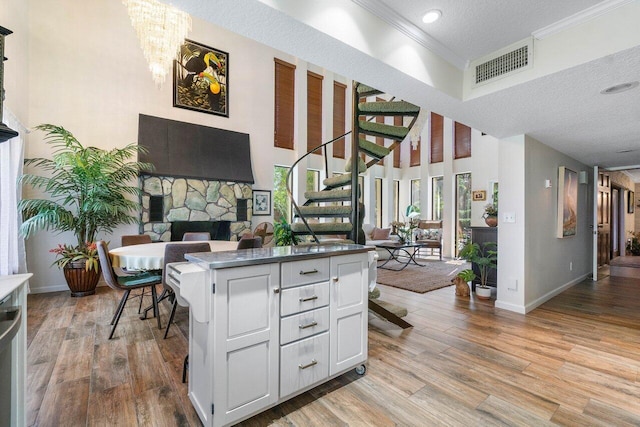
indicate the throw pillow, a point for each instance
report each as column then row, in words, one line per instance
column 380, row 233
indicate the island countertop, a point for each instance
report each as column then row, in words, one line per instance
column 244, row 257
column 10, row 283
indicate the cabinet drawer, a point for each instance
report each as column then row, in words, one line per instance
column 305, row 271
column 302, row 325
column 304, row 298
column 303, row 363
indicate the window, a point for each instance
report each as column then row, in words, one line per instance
column 415, row 193
column 396, row 200
column 462, row 141
column 463, row 209
column 284, row 104
column 313, row 180
column 314, row 111
column 281, row 202
column 436, row 144
column 379, row 202
column 437, row 202
column 414, row 158
column 339, row 118
column 397, row 121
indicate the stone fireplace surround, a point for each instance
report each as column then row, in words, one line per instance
column 187, row 199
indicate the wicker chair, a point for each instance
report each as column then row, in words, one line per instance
column 126, row 283
column 135, row 239
column 175, row 252
column 199, row 236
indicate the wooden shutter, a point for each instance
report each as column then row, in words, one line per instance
column 397, row 121
column 414, row 159
column 436, row 144
column 314, row 111
column 462, row 141
column 339, row 118
column 284, row 104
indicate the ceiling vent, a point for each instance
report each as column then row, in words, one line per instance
column 504, row 62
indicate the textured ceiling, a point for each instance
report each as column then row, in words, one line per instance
column 564, row 110
column 474, row 28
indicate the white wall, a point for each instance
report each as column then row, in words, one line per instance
column 535, row 265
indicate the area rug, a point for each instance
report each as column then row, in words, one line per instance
column 434, row 275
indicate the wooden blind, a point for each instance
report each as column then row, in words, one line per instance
column 314, row 111
column 339, row 118
column 462, row 141
column 284, row 104
column 414, row 158
column 397, row 121
column 436, row 144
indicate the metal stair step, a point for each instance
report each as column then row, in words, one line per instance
column 325, row 211
column 372, row 149
column 364, row 90
column 329, row 196
column 388, row 108
column 386, row 131
column 322, row 227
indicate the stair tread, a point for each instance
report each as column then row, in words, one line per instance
column 389, row 108
column 383, row 130
column 337, row 181
column 364, row 90
column 328, row 195
column 311, row 211
column 373, row 149
column 322, row 227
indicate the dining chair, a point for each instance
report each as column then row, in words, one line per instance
column 135, row 239
column 126, row 283
column 196, row 236
column 250, row 242
column 175, row 252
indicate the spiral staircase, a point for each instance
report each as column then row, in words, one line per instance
column 335, row 209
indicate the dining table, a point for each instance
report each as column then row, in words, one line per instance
column 150, row 256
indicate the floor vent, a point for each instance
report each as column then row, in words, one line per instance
column 503, row 63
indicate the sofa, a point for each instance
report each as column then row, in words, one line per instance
column 375, row 236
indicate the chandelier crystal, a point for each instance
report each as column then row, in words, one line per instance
column 161, row 29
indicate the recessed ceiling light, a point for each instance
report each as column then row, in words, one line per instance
column 619, row 88
column 431, row 16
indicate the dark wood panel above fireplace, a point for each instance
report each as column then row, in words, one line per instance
column 219, row 230
column 185, row 150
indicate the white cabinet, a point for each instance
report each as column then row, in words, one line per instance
column 273, row 331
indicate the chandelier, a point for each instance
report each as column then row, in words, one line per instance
column 161, row 30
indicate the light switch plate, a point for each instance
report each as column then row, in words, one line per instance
column 509, row 217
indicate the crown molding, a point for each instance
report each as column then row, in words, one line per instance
column 579, row 18
column 405, row 27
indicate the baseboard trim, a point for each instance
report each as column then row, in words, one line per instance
column 55, row 288
column 546, row 297
column 510, row 307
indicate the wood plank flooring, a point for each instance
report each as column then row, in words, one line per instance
column 573, row 361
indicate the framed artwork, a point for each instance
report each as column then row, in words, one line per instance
column 567, row 202
column 631, row 202
column 261, row 202
column 479, row 195
column 201, row 79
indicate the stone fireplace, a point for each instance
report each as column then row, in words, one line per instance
column 182, row 199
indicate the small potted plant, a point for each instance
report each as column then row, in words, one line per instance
column 484, row 257
column 490, row 214
column 467, row 275
column 87, row 189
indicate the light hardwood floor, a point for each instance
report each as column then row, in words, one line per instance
column 573, row 361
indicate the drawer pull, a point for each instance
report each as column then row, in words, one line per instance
column 276, row 290
column 308, row 365
column 308, row 325
column 314, row 271
column 311, row 298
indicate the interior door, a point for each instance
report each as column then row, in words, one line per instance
column 615, row 222
column 604, row 218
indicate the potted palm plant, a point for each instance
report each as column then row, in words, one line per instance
column 484, row 257
column 87, row 189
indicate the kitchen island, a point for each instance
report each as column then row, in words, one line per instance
column 268, row 324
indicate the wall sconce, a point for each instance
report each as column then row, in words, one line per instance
column 583, row 178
